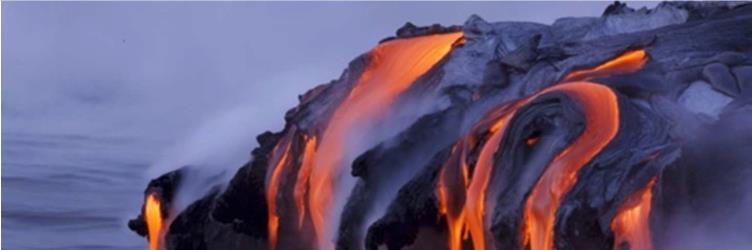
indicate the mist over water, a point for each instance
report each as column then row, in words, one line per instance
column 98, row 98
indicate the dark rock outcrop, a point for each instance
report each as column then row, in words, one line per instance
column 697, row 80
column 164, row 188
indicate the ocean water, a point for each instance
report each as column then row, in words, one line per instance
column 70, row 191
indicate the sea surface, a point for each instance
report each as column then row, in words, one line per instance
column 63, row 191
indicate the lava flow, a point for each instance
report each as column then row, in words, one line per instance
column 455, row 190
column 600, row 106
column 394, row 65
column 302, row 180
column 475, row 205
column 280, row 154
column 627, row 62
column 452, row 179
column 153, row 217
column 473, row 194
column 631, row 224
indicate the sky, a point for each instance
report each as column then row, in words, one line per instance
column 166, row 69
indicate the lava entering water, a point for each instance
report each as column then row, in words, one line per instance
column 628, row 62
column 153, row 216
column 631, row 224
column 602, row 123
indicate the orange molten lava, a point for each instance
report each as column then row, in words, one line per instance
column 462, row 200
column 452, row 178
column 628, row 62
column 473, row 216
column 153, row 216
column 281, row 154
column 532, row 141
column 304, row 173
column 631, row 224
column 475, row 205
column 394, row 66
column 600, row 106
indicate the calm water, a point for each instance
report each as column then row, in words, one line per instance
column 70, row 191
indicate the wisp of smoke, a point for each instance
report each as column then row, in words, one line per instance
column 212, row 153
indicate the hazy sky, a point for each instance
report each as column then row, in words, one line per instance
column 161, row 69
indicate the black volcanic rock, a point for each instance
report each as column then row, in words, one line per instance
column 239, row 204
column 164, row 187
column 683, row 122
column 411, row 30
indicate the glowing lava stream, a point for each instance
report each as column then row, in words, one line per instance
column 473, row 216
column 153, row 217
column 302, row 180
column 627, row 62
column 449, row 204
column 394, row 65
column 600, row 106
column 631, row 224
column 452, row 192
column 280, row 154
column 475, row 204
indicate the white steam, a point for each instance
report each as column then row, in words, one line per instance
column 212, row 153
